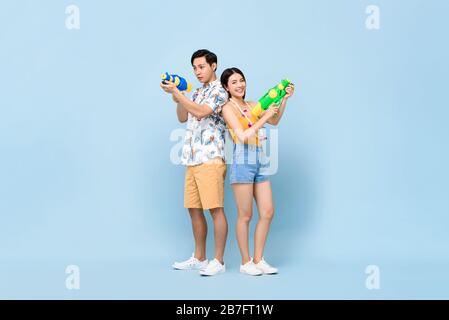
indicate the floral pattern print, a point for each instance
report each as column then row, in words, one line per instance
column 205, row 137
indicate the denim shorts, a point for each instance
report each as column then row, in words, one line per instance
column 248, row 165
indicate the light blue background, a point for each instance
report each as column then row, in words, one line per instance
column 85, row 173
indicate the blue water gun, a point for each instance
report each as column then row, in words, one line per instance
column 180, row 82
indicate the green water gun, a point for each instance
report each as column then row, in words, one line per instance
column 274, row 95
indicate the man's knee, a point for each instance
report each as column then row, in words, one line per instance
column 196, row 213
column 216, row 212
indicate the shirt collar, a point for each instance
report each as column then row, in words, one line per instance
column 213, row 83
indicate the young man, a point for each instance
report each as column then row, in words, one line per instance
column 203, row 154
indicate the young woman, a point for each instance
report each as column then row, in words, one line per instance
column 248, row 173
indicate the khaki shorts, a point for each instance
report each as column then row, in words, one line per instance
column 204, row 185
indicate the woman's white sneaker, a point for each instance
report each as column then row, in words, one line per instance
column 214, row 267
column 250, row 269
column 190, row 264
column 264, row 267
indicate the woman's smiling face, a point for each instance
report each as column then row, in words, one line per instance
column 236, row 86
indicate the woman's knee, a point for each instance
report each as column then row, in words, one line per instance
column 267, row 213
column 245, row 216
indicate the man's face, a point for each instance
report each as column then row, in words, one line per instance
column 203, row 71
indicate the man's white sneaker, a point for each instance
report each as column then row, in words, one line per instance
column 250, row 269
column 265, row 267
column 214, row 267
column 191, row 264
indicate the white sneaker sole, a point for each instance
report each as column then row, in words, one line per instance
column 187, row 268
column 181, row 268
column 250, row 274
column 203, row 273
column 269, row 273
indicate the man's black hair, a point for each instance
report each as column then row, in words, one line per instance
column 210, row 56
